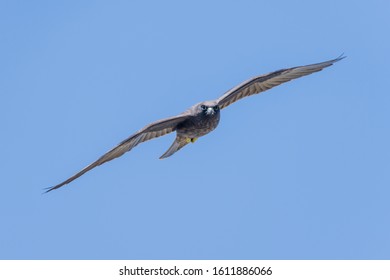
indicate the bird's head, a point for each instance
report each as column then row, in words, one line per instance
column 208, row 108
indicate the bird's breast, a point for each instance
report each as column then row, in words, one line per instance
column 199, row 125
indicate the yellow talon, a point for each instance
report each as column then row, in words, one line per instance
column 188, row 140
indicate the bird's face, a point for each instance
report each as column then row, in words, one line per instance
column 208, row 109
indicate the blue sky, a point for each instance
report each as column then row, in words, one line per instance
column 299, row 172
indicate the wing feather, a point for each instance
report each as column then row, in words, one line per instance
column 153, row 130
column 264, row 82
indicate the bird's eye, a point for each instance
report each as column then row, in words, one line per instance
column 216, row 108
column 203, row 107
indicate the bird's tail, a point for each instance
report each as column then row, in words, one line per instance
column 179, row 143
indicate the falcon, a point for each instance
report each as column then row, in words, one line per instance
column 201, row 118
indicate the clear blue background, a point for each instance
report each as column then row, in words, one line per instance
column 299, row 172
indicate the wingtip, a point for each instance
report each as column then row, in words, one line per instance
column 337, row 59
column 340, row 57
column 47, row 190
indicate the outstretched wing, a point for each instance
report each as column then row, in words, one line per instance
column 264, row 82
column 153, row 130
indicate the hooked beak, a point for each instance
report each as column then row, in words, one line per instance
column 210, row 111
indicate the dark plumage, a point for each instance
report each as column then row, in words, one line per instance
column 203, row 117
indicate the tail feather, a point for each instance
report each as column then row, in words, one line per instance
column 179, row 143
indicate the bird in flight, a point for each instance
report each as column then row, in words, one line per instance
column 203, row 117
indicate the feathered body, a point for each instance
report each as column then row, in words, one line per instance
column 203, row 117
